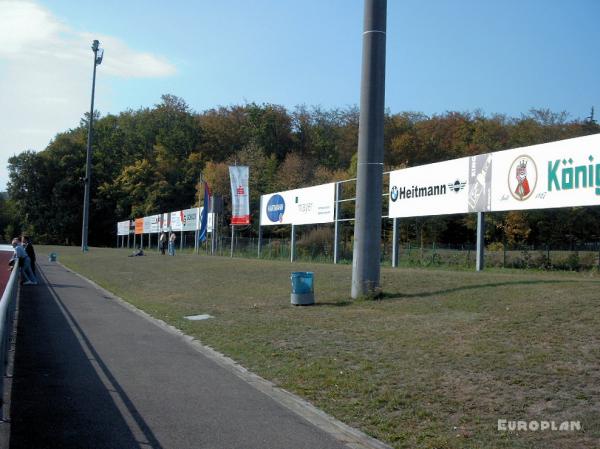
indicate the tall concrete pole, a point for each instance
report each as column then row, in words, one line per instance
column 88, row 160
column 369, row 184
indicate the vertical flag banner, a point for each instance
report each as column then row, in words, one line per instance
column 240, row 196
column 204, row 214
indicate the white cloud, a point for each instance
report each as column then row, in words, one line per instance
column 45, row 75
column 28, row 31
column 25, row 26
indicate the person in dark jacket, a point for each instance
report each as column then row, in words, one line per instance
column 163, row 243
column 26, row 241
column 28, row 278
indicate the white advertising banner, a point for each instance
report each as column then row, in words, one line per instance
column 152, row 224
column 211, row 220
column 240, row 195
column 147, row 224
column 190, row 220
column 176, row 221
column 433, row 189
column 123, row 227
column 565, row 173
column 300, row 206
column 165, row 222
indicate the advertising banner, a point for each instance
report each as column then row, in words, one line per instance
column 123, row 228
column 189, row 219
column 565, row 173
column 147, row 224
column 176, row 221
column 139, row 226
column 240, row 195
column 300, row 206
column 211, row 220
column 434, row 189
column 152, row 224
column 165, row 222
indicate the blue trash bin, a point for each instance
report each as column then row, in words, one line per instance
column 302, row 288
column 52, row 257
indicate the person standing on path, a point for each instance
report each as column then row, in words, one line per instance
column 163, row 243
column 172, row 239
column 26, row 242
column 24, row 262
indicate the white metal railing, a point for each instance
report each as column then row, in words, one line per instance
column 7, row 313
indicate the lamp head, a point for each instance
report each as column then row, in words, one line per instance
column 95, row 45
column 99, row 56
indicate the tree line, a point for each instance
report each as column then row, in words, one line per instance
column 151, row 160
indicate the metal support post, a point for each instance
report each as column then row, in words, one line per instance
column 259, row 240
column 259, row 230
column 232, row 236
column 215, row 234
column 336, row 226
column 395, row 242
column 479, row 262
column 293, row 244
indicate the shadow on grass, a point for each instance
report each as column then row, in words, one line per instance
column 400, row 295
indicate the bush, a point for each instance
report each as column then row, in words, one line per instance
column 495, row 246
column 316, row 242
column 571, row 263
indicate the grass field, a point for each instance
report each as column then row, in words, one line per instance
column 434, row 364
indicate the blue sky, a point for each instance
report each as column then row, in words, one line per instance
column 500, row 57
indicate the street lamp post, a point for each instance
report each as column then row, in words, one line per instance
column 98, row 54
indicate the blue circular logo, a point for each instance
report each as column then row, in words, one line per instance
column 394, row 193
column 276, row 208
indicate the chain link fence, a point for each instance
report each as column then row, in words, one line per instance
column 581, row 257
column 317, row 246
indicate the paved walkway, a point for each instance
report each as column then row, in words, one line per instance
column 90, row 373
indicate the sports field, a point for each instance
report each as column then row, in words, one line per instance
column 434, row 364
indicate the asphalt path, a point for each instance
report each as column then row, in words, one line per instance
column 90, row 373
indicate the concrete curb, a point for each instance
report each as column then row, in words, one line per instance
column 351, row 437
